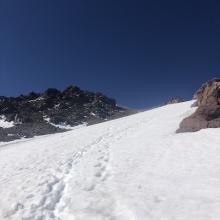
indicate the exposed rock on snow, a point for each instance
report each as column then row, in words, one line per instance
column 208, row 113
column 175, row 100
column 209, row 93
column 71, row 107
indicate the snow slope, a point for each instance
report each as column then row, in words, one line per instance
column 133, row 168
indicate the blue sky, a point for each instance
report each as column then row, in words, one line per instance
column 139, row 52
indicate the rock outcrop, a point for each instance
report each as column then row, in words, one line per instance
column 174, row 100
column 43, row 113
column 207, row 114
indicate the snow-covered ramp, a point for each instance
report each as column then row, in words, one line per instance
column 133, row 168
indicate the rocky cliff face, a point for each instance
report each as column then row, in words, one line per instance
column 209, row 93
column 208, row 113
column 53, row 110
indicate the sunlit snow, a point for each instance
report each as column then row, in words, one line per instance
column 4, row 123
column 132, row 168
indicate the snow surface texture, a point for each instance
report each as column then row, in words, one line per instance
column 133, row 168
column 4, row 123
column 64, row 125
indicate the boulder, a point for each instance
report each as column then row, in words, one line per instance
column 207, row 114
column 209, row 93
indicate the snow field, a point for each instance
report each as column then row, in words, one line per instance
column 133, row 168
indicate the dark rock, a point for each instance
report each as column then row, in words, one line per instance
column 51, row 93
column 72, row 106
column 208, row 113
column 174, row 100
column 33, row 95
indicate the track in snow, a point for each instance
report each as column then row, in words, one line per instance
column 133, row 168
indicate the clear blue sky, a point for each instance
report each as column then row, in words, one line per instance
column 141, row 52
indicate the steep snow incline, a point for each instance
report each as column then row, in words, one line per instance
column 133, row 168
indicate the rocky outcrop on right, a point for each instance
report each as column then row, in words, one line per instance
column 207, row 114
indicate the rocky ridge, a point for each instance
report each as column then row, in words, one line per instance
column 53, row 110
column 174, row 100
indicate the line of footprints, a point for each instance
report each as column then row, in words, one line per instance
column 102, row 164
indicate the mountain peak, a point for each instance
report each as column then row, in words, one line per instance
column 43, row 113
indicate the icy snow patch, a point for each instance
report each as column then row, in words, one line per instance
column 37, row 99
column 4, row 123
column 68, row 127
column 64, row 125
